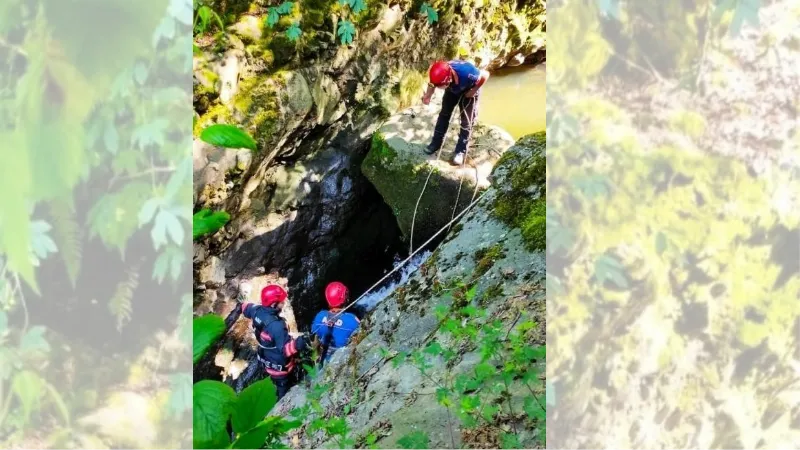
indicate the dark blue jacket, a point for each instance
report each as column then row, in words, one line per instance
column 468, row 76
column 335, row 335
column 276, row 346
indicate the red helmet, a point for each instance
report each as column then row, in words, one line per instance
column 440, row 73
column 336, row 293
column 272, row 294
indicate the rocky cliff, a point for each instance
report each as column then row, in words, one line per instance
column 302, row 210
column 454, row 353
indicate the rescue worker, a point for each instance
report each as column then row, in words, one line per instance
column 462, row 83
column 277, row 350
column 333, row 332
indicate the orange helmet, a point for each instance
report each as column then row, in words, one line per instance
column 440, row 73
column 272, row 294
column 336, row 294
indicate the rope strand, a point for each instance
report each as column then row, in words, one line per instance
column 469, row 207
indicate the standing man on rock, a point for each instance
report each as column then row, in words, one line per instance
column 277, row 350
column 462, row 82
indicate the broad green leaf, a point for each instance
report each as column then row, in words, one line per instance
column 434, row 348
column 484, row 370
column 34, row 340
column 212, row 402
column 148, row 211
column 205, row 222
column 28, row 387
column 205, row 332
column 533, row 409
column 228, row 136
column 346, row 31
column 254, row 437
column 180, row 399
column 253, row 404
column 171, row 224
column 417, row 439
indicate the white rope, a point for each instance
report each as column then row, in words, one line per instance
column 433, row 167
column 470, row 122
column 470, row 206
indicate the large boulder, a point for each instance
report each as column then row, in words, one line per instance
column 400, row 170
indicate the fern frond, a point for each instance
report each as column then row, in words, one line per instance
column 67, row 234
column 120, row 304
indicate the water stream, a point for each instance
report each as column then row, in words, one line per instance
column 514, row 99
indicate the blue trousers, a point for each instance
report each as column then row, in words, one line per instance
column 469, row 112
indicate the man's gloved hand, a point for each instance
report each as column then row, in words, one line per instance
column 303, row 342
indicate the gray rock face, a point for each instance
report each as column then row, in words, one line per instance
column 426, row 192
column 382, row 394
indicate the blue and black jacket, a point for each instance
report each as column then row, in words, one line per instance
column 277, row 350
column 334, row 334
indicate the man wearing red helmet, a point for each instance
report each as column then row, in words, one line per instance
column 462, row 82
column 333, row 328
column 277, row 350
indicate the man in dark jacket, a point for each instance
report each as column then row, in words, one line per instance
column 462, row 82
column 277, row 350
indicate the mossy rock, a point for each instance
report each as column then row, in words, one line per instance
column 400, row 170
column 520, row 177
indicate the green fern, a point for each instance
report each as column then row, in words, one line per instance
column 120, row 304
column 68, row 236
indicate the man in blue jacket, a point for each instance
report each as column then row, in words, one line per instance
column 333, row 332
column 462, row 82
column 277, row 350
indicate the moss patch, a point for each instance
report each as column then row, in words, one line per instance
column 486, row 257
column 258, row 103
column 522, row 201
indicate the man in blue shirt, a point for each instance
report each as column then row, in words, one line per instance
column 462, row 82
column 334, row 331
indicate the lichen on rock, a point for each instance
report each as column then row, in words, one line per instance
column 521, row 199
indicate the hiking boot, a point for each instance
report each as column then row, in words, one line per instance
column 429, row 150
column 458, row 159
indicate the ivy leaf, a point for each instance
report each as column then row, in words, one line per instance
column 429, row 12
column 293, row 32
column 228, row 136
column 253, row 404
column 273, row 16
column 285, row 7
column 212, row 403
column 346, row 31
column 205, row 331
column 357, row 6
column 417, row 439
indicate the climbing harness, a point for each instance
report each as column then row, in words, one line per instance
column 404, row 262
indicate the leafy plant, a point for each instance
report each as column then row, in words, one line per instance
column 294, row 32
column 508, row 363
column 203, row 17
column 228, row 136
column 275, row 12
column 206, row 222
column 346, row 31
column 429, row 12
column 205, row 331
